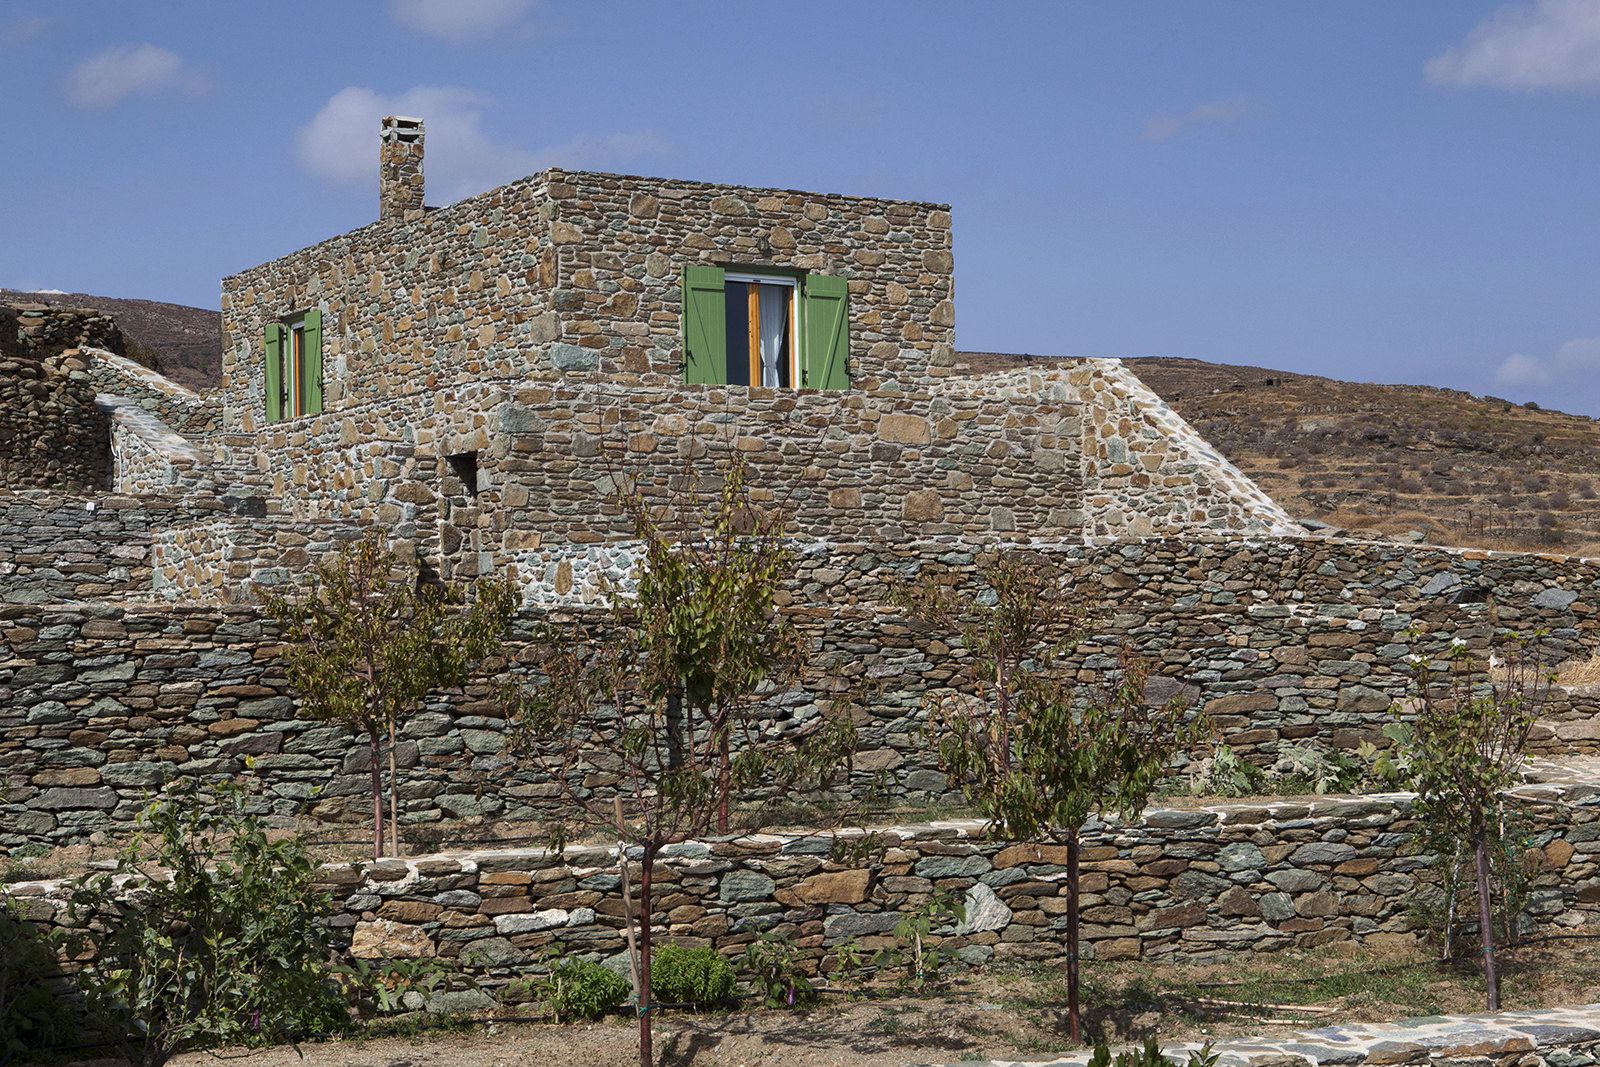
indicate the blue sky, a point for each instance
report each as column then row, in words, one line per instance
column 1372, row 191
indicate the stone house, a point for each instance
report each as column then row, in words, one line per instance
column 474, row 377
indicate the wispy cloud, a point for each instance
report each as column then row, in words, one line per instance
column 23, row 29
column 459, row 21
column 1574, row 364
column 340, row 143
column 1160, row 127
column 1553, row 44
column 109, row 77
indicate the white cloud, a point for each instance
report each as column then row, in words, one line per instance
column 459, row 21
column 24, row 28
column 1553, row 44
column 121, row 71
column 340, row 143
column 1160, row 127
column 1572, row 367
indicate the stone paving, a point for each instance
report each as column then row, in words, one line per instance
column 1561, row 1037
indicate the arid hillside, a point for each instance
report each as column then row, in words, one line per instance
column 185, row 341
column 1389, row 459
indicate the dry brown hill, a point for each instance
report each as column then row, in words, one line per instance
column 1389, row 459
column 186, row 341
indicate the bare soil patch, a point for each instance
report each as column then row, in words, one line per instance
column 992, row 1014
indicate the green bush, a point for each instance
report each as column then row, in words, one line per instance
column 689, row 975
column 581, row 988
column 213, row 933
column 32, row 1018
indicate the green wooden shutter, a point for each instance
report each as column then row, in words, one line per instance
column 705, row 326
column 311, row 361
column 272, row 341
column 827, row 332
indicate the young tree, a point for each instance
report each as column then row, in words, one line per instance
column 367, row 640
column 677, row 697
column 1465, row 749
column 1038, row 751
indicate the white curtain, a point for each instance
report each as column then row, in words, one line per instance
column 774, row 316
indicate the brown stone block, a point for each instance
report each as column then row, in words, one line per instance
column 231, row 727
column 67, row 776
column 1166, row 868
column 1556, row 854
column 1238, row 703
column 1357, row 868
column 1012, row 855
column 841, row 887
column 1300, row 926
column 504, row 878
column 1117, row 948
column 1142, row 882
column 1177, row 917
column 409, row 911
column 1238, row 901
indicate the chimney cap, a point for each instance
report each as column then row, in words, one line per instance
column 403, row 127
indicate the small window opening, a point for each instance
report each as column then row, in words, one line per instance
column 465, row 466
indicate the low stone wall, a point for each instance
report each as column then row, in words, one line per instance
column 1196, row 885
column 178, row 407
column 41, row 331
column 57, row 548
column 51, row 433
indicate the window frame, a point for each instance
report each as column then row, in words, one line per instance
column 292, row 350
column 819, row 349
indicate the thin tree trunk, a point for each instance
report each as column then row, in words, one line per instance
column 377, row 796
column 1480, row 846
column 394, row 796
column 1072, row 933
column 647, row 1006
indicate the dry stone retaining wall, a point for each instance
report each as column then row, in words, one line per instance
column 1198, row 885
column 52, row 436
column 179, row 408
column 1276, row 638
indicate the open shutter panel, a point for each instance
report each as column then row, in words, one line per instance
column 827, row 332
column 311, row 361
column 705, row 326
column 273, row 343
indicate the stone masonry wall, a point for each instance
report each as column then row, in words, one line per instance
column 178, row 407
column 1045, row 454
column 56, row 548
column 1282, row 641
column 1193, row 885
column 572, row 273
column 51, row 433
column 42, row 330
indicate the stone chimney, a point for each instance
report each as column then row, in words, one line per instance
column 400, row 169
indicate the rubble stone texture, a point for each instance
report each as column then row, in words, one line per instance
column 1168, row 888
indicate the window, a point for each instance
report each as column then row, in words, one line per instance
column 294, row 366
column 773, row 329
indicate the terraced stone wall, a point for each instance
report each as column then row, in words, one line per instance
column 179, row 408
column 1283, row 641
column 1192, row 885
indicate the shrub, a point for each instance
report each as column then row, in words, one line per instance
column 576, row 987
column 689, row 975
column 214, row 937
column 32, row 1018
